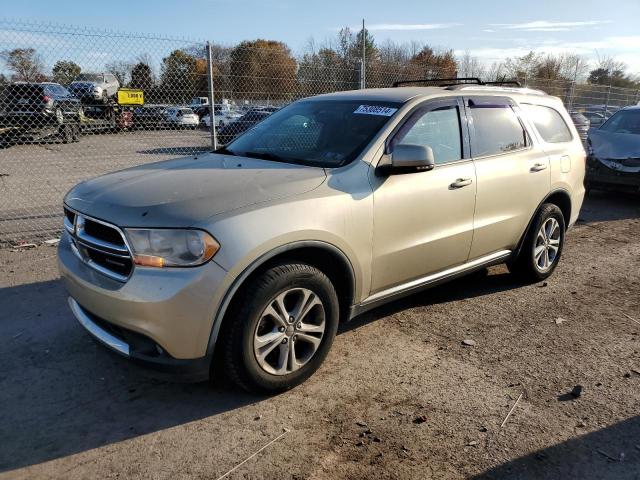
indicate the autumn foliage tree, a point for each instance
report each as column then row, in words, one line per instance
column 262, row 70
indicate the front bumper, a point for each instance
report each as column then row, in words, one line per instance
column 598, row 174
column 160, row 317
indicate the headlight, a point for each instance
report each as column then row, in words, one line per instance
column 171, row 248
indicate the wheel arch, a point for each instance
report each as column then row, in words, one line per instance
column 326, row 257
column 559, row 197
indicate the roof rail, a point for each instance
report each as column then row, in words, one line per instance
column 514, row 83
column 448, row 82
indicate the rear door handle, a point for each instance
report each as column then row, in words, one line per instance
column 461, row 182
column 538, row 167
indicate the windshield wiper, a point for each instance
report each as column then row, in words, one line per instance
column 225, row 151
column 267, row 156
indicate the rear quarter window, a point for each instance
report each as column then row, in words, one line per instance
column 549, row 123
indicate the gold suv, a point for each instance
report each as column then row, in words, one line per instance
column 244, row 260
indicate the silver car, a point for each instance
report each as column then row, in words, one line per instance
column 95, row 86
column 245, row 260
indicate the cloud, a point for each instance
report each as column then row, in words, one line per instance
column 549, row 26
column 408, row 26
column 489, row 30
column 622, row 47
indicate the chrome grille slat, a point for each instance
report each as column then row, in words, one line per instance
column 91, row 241
column 97, row 253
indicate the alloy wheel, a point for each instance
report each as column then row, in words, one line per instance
column 547, row 244
column 289, row 331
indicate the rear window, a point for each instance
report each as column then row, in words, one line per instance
column 90, row 77
column 497, row 130
column 549, row 123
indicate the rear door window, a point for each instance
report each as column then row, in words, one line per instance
column 497, row 130
column 549, row 123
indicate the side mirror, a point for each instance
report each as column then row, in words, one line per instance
column 408, row 158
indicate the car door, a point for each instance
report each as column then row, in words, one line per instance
column 513, row 174
column 423, row 221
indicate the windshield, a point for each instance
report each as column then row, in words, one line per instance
column 324, row 133
column 624, row 121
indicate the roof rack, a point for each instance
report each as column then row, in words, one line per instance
column 448, row 82
column 443, row 82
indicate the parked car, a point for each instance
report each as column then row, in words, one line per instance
column 198, row 102
column 614, row 152
column 181, row 117
column 581, row 123
column 149, row 117
column 92, row 87
column 595, row 118
column 228, row 132
column 34, row 106
column 223, row 114
column 252, row 255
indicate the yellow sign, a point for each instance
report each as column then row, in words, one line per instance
column 130, row 96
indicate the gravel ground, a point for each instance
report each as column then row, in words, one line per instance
column 400, row 396
column 35, row 177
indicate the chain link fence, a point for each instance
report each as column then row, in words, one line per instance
column 76, row 103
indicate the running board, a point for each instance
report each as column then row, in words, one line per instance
column 429, row 281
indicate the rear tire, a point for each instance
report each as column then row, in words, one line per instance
column 280, row 329
column 542, row 247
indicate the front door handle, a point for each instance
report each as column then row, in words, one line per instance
column 461, row 182
column 538, row 167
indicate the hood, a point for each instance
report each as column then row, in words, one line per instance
column 185, row 191
column 620, row 151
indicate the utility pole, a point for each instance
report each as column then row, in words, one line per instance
column 362, row 64
column 212, row 115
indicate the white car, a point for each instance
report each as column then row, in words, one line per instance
column 182, row 117
column 224, row 116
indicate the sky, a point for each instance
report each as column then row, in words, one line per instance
column 490, row 30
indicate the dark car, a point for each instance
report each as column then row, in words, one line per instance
column 37, row 105
column 613, row 160
column 149, row 117
column 244, row 123
column 581, row 123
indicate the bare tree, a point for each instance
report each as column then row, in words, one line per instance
column 25, row 63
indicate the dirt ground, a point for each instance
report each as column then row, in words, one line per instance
column 400, row 396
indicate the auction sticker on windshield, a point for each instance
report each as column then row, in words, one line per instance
column 375, row 110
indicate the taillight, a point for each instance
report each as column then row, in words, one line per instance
column 47, row 99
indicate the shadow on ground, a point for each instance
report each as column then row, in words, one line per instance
column 610, row 453
column 605, row 206
column 62, row 394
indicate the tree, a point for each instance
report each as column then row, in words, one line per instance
column 610, row 71
column 521, row 68
column 65, row 71
column 121, row 69
column 179, row 76
column 428, row 63
column 142, row 77
column 263, row 69
column 470, row 66
column 25, row 63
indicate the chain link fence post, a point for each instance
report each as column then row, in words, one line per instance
column 212, row 114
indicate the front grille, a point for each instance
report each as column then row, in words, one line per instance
column 100, row 245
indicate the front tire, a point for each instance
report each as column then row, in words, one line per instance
column 280, row 329
column 542, row 247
